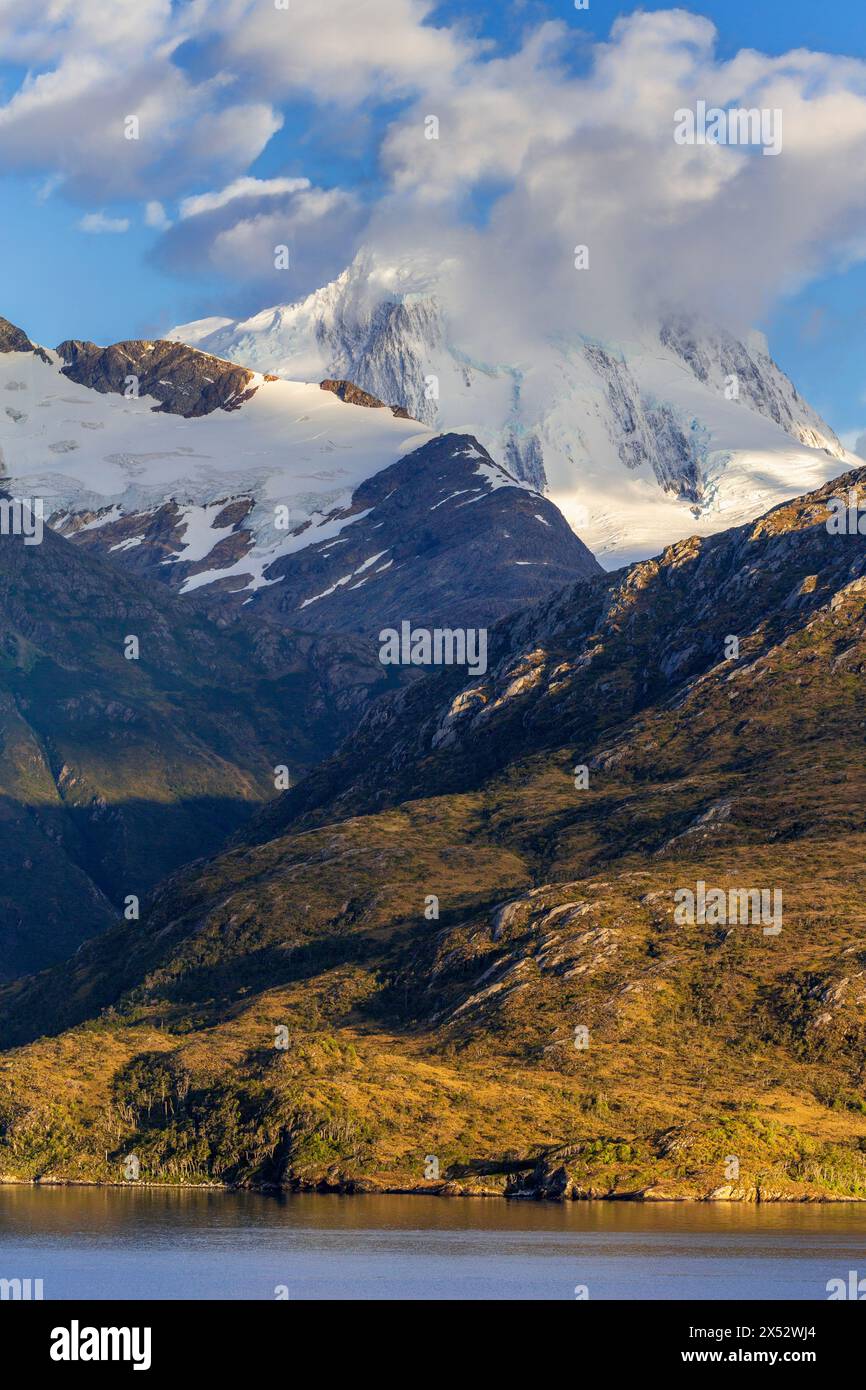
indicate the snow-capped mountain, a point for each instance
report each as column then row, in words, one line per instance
column 638, row 443
column 233, row 484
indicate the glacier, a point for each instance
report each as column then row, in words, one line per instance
column 682, row 429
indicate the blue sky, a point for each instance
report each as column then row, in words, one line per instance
column 62, row 281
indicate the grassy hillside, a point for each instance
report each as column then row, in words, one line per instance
column 720, row 1060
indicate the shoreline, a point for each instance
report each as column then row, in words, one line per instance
column 353, row 1188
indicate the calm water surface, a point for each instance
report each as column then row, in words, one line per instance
column 135, row 1243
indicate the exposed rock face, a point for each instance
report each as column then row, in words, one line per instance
column 151, row 541
column 388, row 347
column 646, row 432
column 719, row 357
column 185, row 382
column 14, row 339
column 353, row 395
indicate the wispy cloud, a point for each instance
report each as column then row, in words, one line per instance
column 246, row 188
column 97, row 222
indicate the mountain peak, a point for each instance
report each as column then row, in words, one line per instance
column 682, row 427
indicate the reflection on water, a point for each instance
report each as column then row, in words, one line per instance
column 140, row 1243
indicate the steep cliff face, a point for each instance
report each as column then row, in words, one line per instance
column 638, row 443
column 718, row 359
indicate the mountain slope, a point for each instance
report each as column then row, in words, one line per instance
column 638, row 443
column 241, row 487
column 444, row 537
column 114, row 771
column 594, row 657
column 294, row 1012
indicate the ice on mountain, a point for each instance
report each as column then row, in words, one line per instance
column 637, row 442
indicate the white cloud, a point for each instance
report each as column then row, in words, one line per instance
column 91, row 65
column 156, row 216
column 343, row 52
column 590, row 160
column 98, row 222
column 49, row 187
column 577, row 154
column 240, row 188
column 45, row 33
column 234, row 232
column 183, row 129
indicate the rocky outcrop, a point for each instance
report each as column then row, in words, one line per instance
column 353, row 395
column 14, row 339
column 185, row 381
